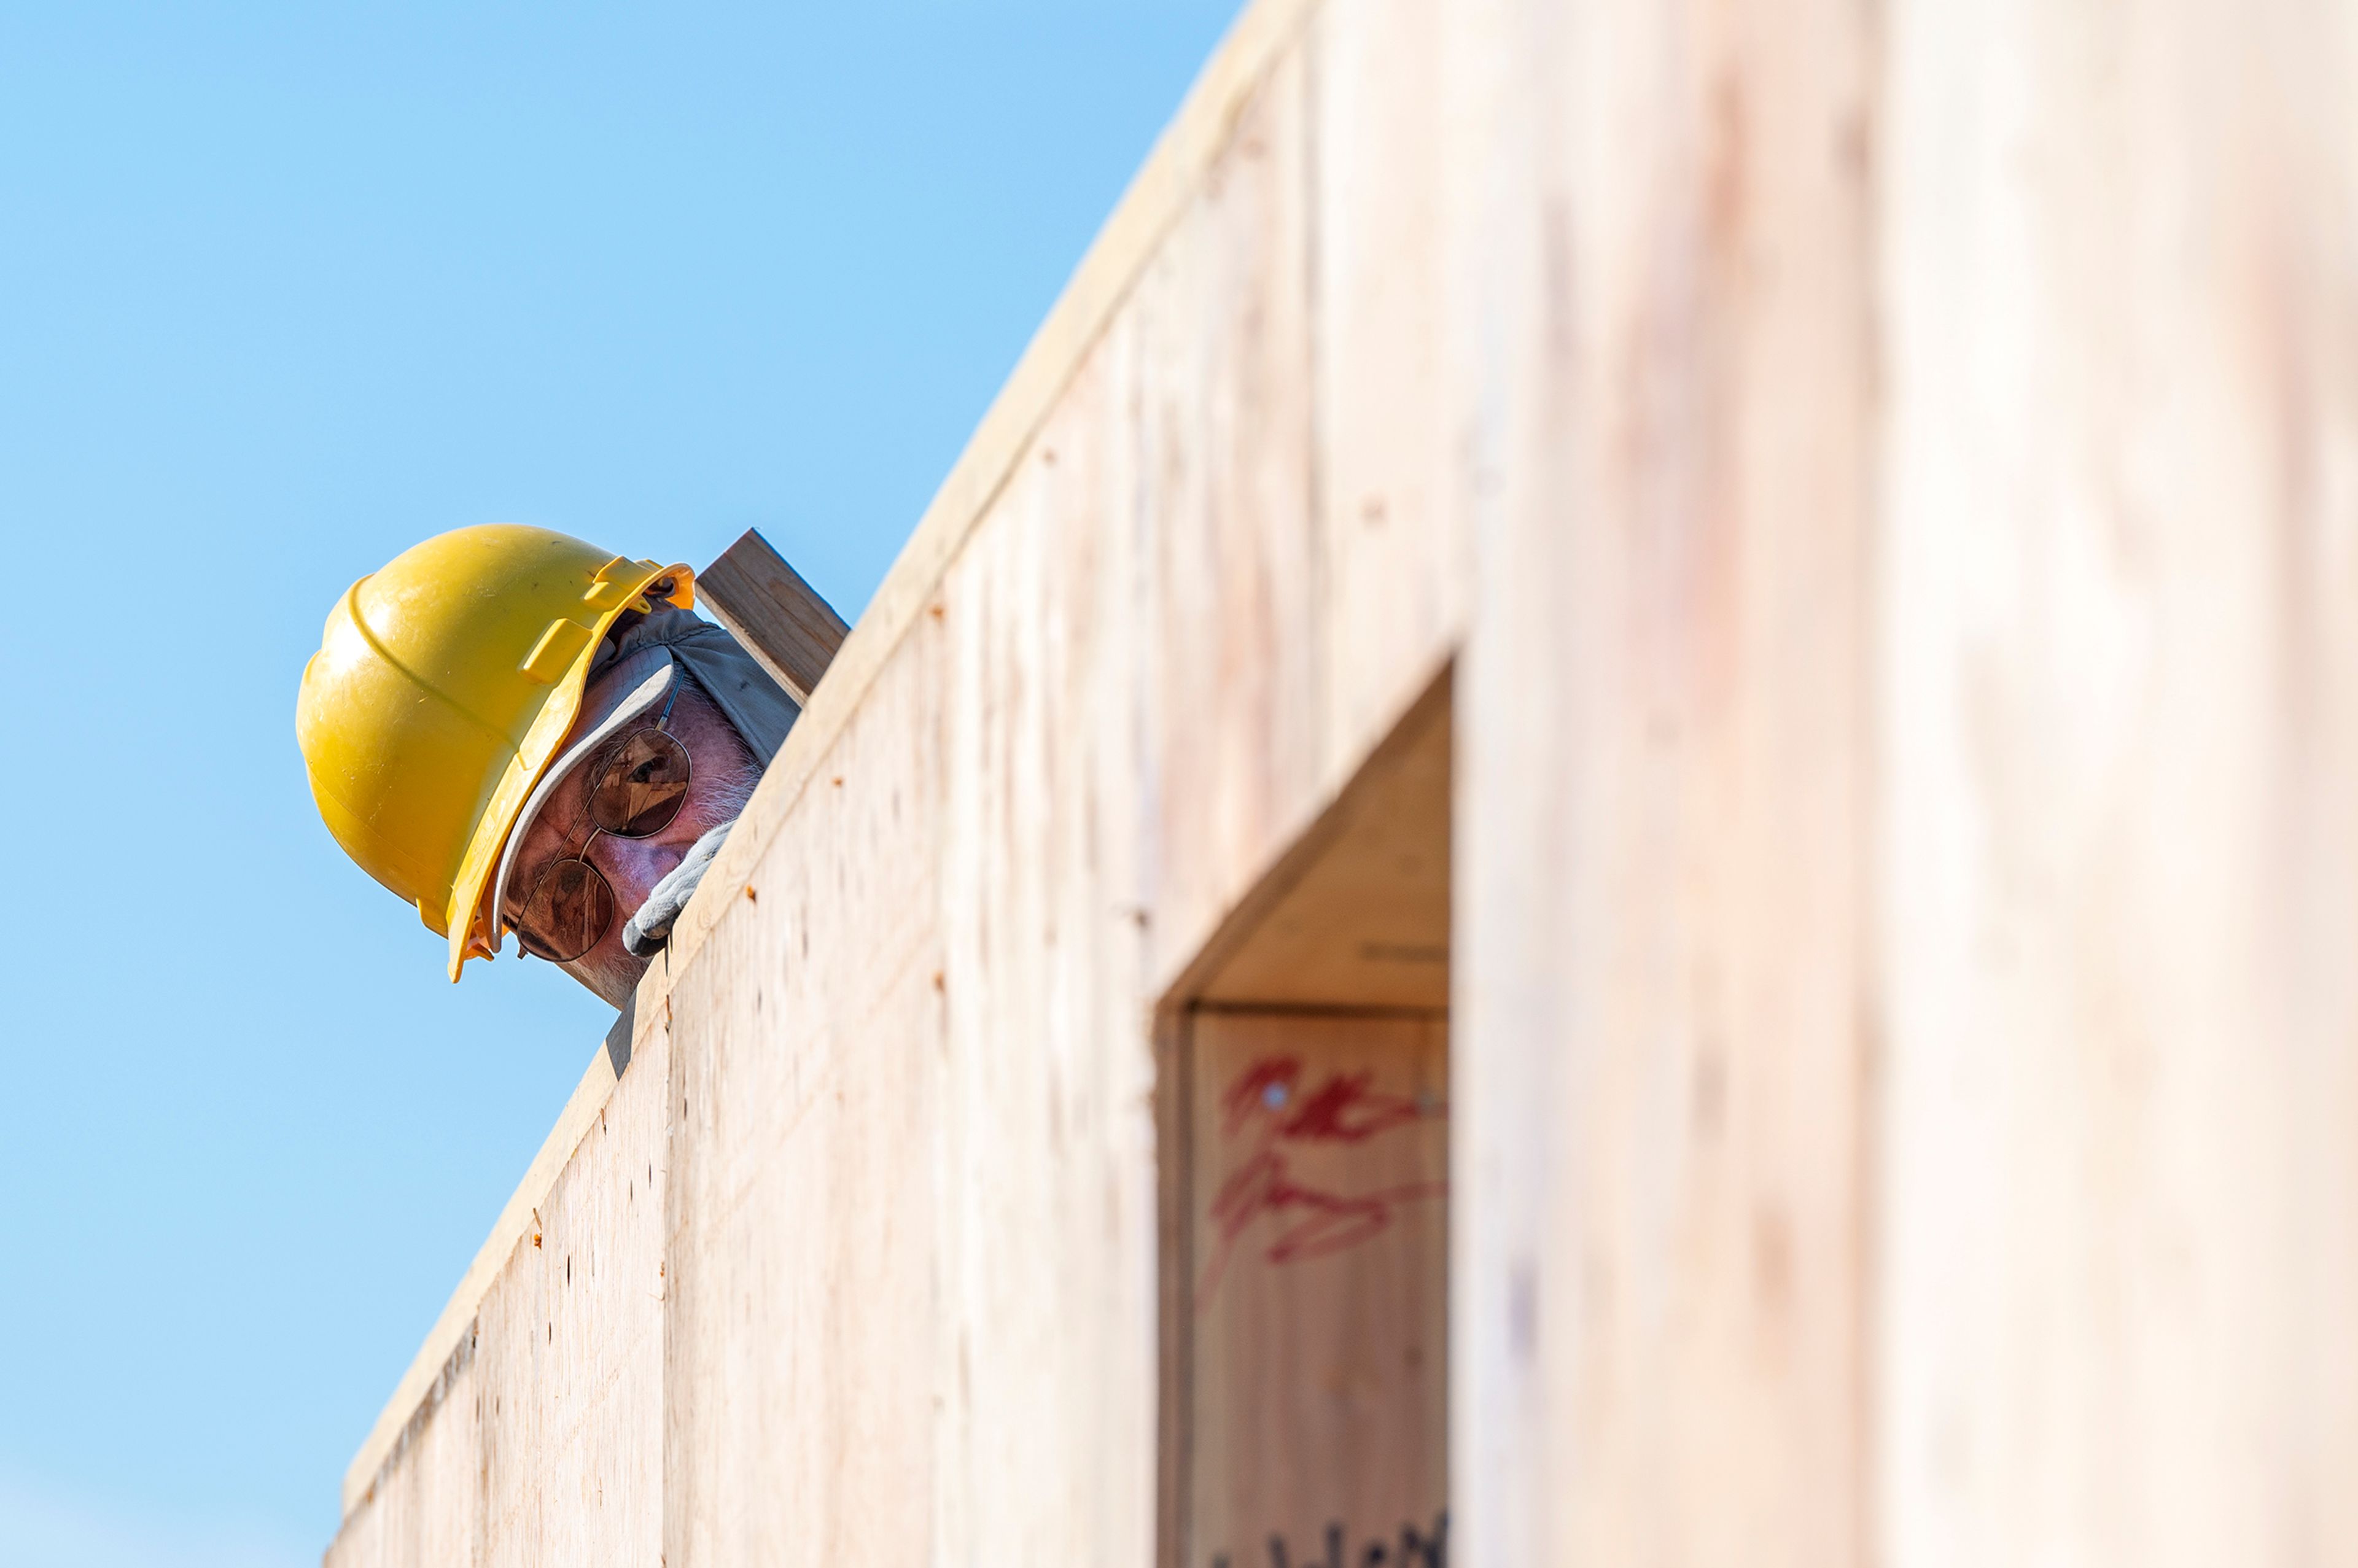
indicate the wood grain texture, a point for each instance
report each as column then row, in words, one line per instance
column 2118, row 722
column 780, row 618
column 1224, row 427
column 1318, row 1300
column 1657, row 267
column 1392, row 553
column 805, row 1060
column 398, row 1421
column 1048, row 1258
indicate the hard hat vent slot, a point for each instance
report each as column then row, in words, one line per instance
column 555, row 653
column 608, row 595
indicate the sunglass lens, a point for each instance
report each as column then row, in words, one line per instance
column 570, row 908
column 643, row 788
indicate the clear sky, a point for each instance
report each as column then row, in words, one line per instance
column 283, row 289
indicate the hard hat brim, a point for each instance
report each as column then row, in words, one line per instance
column 472, row 935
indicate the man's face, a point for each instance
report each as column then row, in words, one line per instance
column 720, row 776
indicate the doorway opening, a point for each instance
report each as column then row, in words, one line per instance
column 1304, row 1127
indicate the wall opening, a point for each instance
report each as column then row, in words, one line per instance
column 1305, row 1124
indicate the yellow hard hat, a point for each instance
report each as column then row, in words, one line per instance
column 441, row 689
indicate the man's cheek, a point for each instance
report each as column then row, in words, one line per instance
column 636, row 867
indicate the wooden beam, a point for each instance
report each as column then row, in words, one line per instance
column 767, row 605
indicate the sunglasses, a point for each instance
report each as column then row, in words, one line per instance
column 634, row 795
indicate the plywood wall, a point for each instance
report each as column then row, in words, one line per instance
column 1662, row 324
column 2118, row 746
column 1877, row 488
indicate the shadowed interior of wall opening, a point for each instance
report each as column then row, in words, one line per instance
column 1304, row 1122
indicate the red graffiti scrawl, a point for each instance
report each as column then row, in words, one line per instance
column 1268, row 1103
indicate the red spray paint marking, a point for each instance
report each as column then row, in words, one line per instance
column 1314, row 1222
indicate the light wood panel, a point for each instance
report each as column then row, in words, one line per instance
column 1657, row 265
column 805, row 1060
column 1047, row 1257
column 1236, row 673
column 2118, row 1223
column 1392, row 552
column 1317, row 1291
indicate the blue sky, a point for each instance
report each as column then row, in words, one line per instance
column 284, row 289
